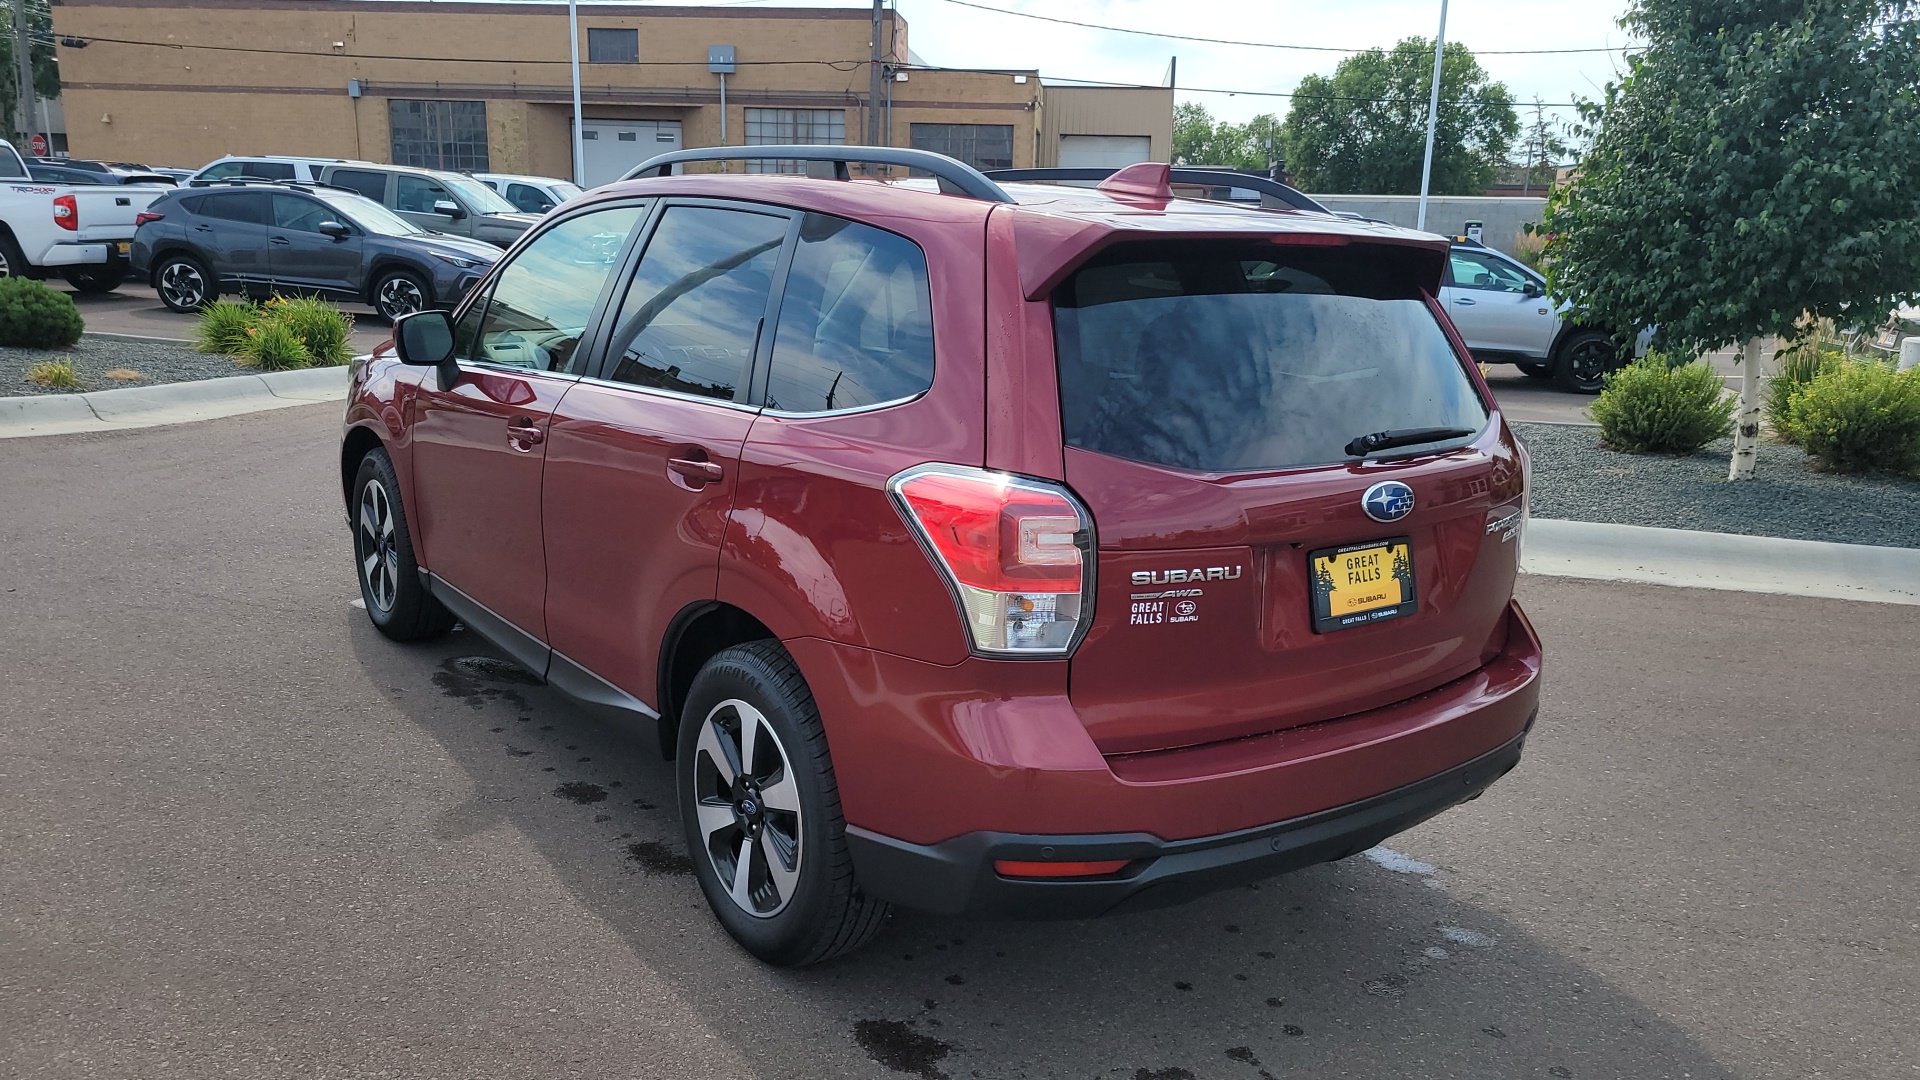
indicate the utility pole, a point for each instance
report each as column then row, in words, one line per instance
column 579, row 137
column 1433, row 116
column 23, row 72
column 873, row 81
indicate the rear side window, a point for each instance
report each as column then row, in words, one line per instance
column 692, row 316
column 856, row 326
column 528, row 199
column 265, row 170
column 1227, row 357
column 247, row 206
column 371, row 184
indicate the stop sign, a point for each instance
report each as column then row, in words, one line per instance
column 39, row 146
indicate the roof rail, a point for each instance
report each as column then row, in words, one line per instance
column 1208, row 175
column 956, row 177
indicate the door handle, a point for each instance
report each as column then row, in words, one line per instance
column 281, row 240
column 696, row 472
column 1465, row 302
column 523, row 434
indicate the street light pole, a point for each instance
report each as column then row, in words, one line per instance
column 579, row 140
column 1433, row 117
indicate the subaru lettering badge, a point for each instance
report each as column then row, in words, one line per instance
column 1388, row 500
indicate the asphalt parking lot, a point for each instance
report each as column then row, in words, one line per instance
column 242, row 835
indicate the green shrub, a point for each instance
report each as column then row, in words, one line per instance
column 54, row 375
column 1859, row 415
column 320, row 326
column 33, row 316
column 1653, row 406
column 225, row 326
column 273, row 346
column 1799, row 362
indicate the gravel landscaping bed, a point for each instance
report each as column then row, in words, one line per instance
column 93, row 357
column 1574, row 478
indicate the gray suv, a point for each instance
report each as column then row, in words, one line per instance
column 259, row 238
column 438, row 201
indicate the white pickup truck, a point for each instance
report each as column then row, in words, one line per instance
column 80, row 232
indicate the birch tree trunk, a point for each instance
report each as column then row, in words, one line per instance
column 1746, row 422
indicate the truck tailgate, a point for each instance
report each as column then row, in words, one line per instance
column 107, row 211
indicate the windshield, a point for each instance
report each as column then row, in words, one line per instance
column 565, row 191
column 477, row 195
column 369, row 215
column 1224, row 358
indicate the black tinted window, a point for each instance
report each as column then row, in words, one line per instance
column 692, row 315
column 528, row 199
column 371, row 184
column 193, row 205
column 248, row 206
column 265, row 170
column 546, row 295
column 856, row 324
column 300, row 215
column 1221, row 358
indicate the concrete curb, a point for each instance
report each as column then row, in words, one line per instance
column 144, row 338
column 1709, row 560
column 168, row 403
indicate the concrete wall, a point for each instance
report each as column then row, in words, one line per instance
column 1447, row 215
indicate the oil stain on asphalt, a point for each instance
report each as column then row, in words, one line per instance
column 900, row 1048
column 657, row 858
column 579, row 791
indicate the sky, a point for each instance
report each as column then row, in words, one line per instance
column 944, row 33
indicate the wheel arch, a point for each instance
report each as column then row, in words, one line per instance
column 696, row 635
column 358, row 443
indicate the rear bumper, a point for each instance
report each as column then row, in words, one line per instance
column 78, row 254
column 958, row 877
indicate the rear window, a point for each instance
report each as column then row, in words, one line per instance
column 1230, row 357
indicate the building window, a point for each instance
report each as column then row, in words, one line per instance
column 780, row 127
column 613, row 46
column 448, row 135
column 983, row 146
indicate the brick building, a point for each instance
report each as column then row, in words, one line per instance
column 486, row 86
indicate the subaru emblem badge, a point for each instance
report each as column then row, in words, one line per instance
column 1388, row 500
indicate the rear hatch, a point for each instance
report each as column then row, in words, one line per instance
column 107, row 212
column 1216, row 397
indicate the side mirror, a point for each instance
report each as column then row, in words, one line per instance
column 335, row 229
column 424, row 338
column 450, row 209
column 1533, row 289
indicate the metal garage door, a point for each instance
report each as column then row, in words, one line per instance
column 1103, row 151
column 611, row 147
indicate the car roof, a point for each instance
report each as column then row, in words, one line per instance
column 1058, row 227
column 520, row 178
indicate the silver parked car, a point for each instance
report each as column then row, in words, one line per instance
column 441, row 202
column 1500, row 306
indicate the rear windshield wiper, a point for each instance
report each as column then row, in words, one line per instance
column 1387, row 440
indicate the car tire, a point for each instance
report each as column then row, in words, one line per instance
column 1582, row 361
column 184, row 284
column 390, row 585
column 796, row 903
column 400, row 292
column 98, row 280
column 1534, row 371
column 13, row 261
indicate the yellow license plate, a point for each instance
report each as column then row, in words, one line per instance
column 1361, row 584
column 123, row 248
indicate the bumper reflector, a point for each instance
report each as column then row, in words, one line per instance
column 1014, row 868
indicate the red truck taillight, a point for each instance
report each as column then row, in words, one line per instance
column 66, row 213
column 1017, row 553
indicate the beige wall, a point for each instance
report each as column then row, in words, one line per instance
column 220, row 94
column 1104, row 110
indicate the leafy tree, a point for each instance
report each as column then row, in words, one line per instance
column 1365, row 129
column 1198, row 139
column 1542, row 148
column 1754, row 166
column 46, row 73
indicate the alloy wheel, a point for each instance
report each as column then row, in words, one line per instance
column 379, row 558
column 399, row 296
column 181, row 286
column 1588, row 363
column 6, row 266
column 748, row 808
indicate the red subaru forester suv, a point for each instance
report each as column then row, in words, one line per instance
column 1023, row 551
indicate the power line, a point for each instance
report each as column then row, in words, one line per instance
column 1053, row 79
column 1254, row 44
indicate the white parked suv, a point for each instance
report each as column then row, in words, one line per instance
column 531, row 194
column 1500, row 306
column 264, row 167
column 81, row 232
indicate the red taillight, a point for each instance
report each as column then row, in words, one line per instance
column 1016, row 551
column 145, row 216
column 66, row 213
column 1014, row 868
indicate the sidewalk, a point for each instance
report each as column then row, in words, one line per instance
column 168, row 403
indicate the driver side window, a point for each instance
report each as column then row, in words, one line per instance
column 1471, row 271
column 543, row 298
